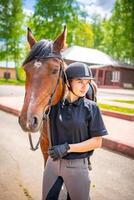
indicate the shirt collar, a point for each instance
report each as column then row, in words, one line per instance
column 75, row 103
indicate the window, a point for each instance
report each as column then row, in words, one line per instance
column 116, row 76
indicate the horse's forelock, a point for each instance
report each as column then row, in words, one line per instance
column 40, row 49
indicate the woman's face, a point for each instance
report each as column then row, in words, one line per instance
column 80, row 87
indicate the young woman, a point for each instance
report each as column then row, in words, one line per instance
column 76, row 130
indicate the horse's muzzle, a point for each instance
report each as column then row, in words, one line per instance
column 32, row 125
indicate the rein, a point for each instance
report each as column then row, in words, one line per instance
column 48, row 107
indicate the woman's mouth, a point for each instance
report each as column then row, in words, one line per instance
column 83, row 92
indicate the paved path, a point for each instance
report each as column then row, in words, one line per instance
column 118, row 90
column 103, row 93
column 21, row 169
column 121, row 132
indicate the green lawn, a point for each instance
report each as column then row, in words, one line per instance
column 124, row 101
column 116, row 108
column 11, row 82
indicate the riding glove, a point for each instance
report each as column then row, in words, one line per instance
column 59, row 151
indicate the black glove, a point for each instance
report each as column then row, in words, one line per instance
column 58, row 151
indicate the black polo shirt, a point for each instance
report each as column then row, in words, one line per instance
column 76, row 122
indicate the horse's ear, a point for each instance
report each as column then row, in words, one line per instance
column 60, row 42
column 30, row 38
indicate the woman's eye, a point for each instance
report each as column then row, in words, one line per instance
column 54, row 71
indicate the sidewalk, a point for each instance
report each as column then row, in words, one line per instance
column 117, row 91
column 21, row 169
column 121, row 132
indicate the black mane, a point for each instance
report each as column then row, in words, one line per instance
column 40, row 50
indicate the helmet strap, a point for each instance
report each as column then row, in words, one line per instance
column 68, row 83
column 70, row 88
column 66, row 79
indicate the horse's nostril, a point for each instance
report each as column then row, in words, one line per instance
column 34, row 122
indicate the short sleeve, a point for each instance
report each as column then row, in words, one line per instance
column 96, row 124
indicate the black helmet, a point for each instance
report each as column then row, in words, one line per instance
column 78, row 70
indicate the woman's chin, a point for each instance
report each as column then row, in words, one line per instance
column 83, row 93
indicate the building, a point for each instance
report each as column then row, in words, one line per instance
column 7, row 71
column 115, row 76
column 107, row 71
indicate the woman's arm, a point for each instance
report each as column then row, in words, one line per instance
column 88, row 145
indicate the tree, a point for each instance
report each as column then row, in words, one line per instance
column 50, row 16
column 83, row 34
column 4, row 27
column 119, row 31
column 11, row 21
column 97, row 31
column 115, row 35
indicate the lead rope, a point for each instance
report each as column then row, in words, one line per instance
column 46, row 117
column 47, row 112
column 32, row 147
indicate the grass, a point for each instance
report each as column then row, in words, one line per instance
column 116, row 108
column 124, row 101
column 11, row 82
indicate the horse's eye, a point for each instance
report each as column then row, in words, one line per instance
column 54, row 71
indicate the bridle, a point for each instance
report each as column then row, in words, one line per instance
column 47, row 109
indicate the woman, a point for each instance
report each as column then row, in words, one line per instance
column 76, row 130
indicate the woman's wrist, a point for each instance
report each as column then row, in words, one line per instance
column 70, row 148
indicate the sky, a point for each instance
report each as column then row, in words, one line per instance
column 29, row 4
column 102, row 7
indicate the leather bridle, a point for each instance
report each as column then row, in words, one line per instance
column 47, row 109
column 43, row 50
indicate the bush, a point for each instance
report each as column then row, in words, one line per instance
column 21, row 74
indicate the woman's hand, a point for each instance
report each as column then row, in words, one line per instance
column 58, row 151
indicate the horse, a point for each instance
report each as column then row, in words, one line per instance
column 45, row 84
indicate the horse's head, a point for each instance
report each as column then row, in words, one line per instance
column 43, row 67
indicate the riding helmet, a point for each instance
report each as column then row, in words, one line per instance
column 78, row 70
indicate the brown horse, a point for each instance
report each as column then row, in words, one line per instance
column 44, row 68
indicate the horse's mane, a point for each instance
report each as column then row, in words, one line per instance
column 41, row 50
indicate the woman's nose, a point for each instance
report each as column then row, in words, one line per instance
column 84, row 85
